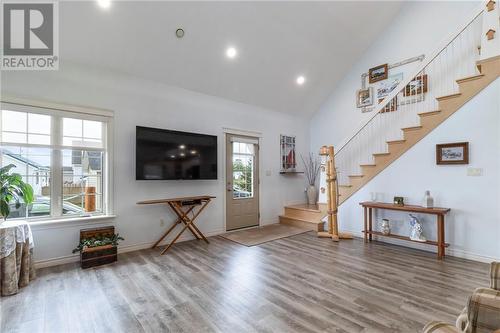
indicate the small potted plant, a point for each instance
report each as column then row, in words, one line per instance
column 98, row 246
column 312, row 167
column 13, row 190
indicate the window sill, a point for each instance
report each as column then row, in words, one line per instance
column 71, row 221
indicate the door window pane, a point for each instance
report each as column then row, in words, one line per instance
column 243, row 169
column 33, row 164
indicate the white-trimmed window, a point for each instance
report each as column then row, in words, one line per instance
column 62, row 154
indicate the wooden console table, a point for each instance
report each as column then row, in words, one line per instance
column 182, row 207
column 439, row 212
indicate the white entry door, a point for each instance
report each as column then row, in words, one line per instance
column 242, row 182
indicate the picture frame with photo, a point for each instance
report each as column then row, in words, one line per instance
column 391, row 106
column 378, row 73
column 364, row 97
column 452, row 153
column 417, row 86
column 386, row 87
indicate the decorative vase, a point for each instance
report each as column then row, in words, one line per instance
column 311, row 195
column 428, row 201
column 385, row 227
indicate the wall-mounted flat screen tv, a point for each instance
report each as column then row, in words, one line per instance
column 167, row 155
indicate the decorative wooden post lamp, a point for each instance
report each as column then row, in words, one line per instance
column 332, row 197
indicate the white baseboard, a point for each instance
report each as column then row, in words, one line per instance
column 121, row 249
column 450, row 251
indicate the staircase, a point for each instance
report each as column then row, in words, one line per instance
column 468, row 87
column 452, row 75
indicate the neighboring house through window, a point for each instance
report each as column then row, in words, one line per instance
column 62, row 154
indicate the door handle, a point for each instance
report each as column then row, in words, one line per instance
column 229, row 187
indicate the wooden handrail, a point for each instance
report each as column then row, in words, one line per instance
column 404, row 83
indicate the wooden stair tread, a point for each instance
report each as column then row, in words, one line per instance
column 368, row 165
column 305, row 207
column 300, row 219
column 393, row 142
column 470, row 78
column 381, row 154
column 411, row 128
column 430, row 113
column 356, row 176
column 345, row 186
column 445, row 97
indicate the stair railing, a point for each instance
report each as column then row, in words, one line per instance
column 456, row 58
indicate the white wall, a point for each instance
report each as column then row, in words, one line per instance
column 139, row 102
column 473, row 225
column 418, row 29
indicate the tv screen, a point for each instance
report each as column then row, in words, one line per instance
column 166, row 155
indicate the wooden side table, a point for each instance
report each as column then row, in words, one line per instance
column 182, row 207
column 440, row 213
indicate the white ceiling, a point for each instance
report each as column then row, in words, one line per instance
column 276, row 41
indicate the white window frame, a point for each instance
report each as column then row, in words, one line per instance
column 58, row 111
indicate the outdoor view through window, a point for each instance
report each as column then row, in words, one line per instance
column 52, row 149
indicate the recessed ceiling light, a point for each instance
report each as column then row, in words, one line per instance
column 182, row 146
column 105, row 4
column 193, row 152
column 300, row 80
column 172, row 156
column 231, row 52
column 182, row 154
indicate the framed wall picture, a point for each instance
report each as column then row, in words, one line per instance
column 386, row 87
column 378, row 73
column 452, row 153
column 364, row 97
column 288, row 160
column 416, row 86
column 391, row 106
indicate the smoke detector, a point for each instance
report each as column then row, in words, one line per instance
column 179, row 33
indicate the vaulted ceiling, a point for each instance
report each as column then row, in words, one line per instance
column 276, row 42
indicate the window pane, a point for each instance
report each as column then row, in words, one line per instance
column 82, row 133
column 34, row 165
column 82, row 182
column 13, row 137
column 38, row 124
column 39, row 139
column 14, row 121
column 92, row 129
column 72, row 127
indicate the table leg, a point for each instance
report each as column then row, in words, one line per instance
column 176, row 238
column 177, row 208
column 192, row 226
column 365, row 224
column 441, row 238
column 370, row 219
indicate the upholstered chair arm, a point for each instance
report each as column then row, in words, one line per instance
column 483, row 311
column 439, row 327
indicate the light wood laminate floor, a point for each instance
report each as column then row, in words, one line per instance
column 296, row 284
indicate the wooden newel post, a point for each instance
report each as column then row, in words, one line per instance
column 332, row 196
